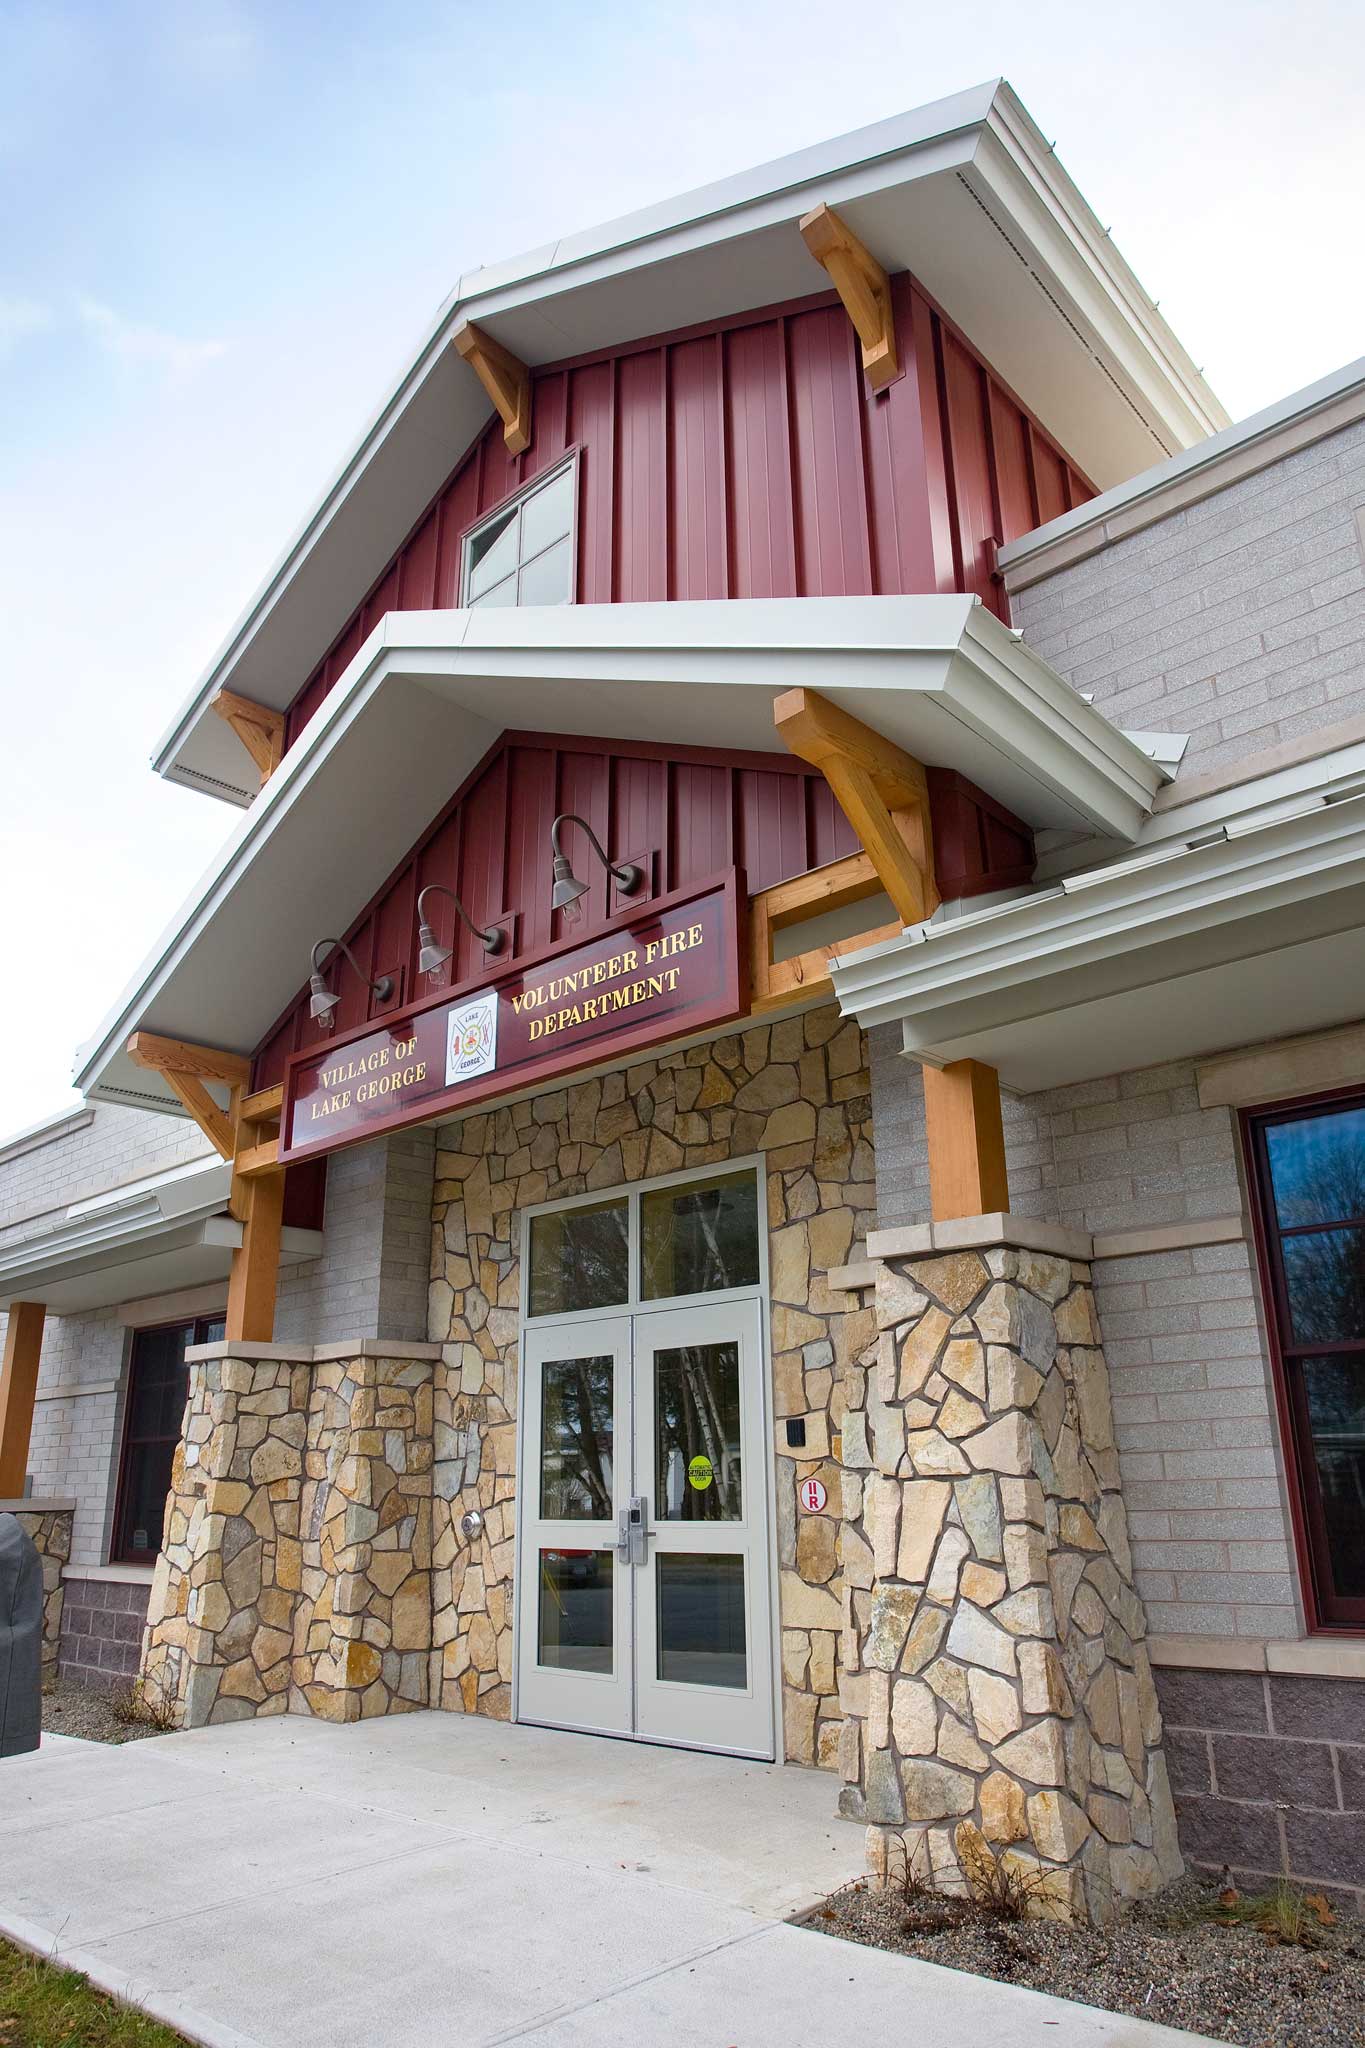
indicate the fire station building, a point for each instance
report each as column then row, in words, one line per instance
column 757, row 1139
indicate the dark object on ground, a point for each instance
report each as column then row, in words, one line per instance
column 1167, row 1961
column 92, row 1716
column 44, row 2006
column 21, row 1639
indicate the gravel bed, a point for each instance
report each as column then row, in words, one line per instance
column 84, row 1712
column 1165, row 1961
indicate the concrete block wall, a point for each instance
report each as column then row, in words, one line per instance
column 104, row 1147
column 1189, row 1369
column 1239, row 620
column 371, row 1278
column 77, row 1422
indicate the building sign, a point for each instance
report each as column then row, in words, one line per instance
column 676, row 970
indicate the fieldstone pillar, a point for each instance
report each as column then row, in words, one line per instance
column 1007, row 1699
column 49, row 1524
column 362, row 1625
column 295, row 1569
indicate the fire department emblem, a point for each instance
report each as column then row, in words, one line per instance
column 472, row 1038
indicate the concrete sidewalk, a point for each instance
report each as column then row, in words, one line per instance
column 288, row 1884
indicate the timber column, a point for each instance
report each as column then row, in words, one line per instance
column 1009, row 1707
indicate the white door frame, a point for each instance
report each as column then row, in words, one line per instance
column 632, row 1307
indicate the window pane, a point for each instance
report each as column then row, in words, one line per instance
column 546, row 515
column 492, row 552
column 701, row 1618
column 575, row 1438
column 695, row 1239
column 147, row 1481
column 546, row 580
column 579, row 1259
column 1335, row 1390
column 575, row 1609
column 1317, row 1167
column 501, row 593
column 1324, row 1273
column 158, row 1382
column 696, row 1421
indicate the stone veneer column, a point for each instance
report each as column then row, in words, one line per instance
column 295, row 1562
column 49, row 1525
column 1007, row 1704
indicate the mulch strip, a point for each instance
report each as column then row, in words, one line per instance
column 1165, row 1961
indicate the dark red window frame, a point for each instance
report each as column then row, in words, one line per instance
column 1326, row 1610
column 199, row 1330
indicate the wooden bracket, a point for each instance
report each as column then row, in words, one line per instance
column 185, row 1068
column 18, row 1390
column 247, row 1133
column 863, row 286
column 775, row 983
column 870, row 778
column 506, row 380
column 260, row 730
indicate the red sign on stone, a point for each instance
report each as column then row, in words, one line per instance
column 813, row 1496
column 675, row 970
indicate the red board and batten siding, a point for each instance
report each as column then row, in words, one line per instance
column 682, row 813
column 750, row 460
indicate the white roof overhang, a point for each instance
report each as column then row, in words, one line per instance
column 965, row 193
column 430, row 692
column 153, row 1237
column 1180, row 951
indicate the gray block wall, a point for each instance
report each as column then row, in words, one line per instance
column 1189, row 1369
column 371, row 1280
column 1239, row 620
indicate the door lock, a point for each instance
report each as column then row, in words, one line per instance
column 631, row 1531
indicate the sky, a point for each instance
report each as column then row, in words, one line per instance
column 223, row 227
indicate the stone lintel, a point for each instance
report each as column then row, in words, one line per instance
column 375, row 1347
column 853, row 1278
column 37, row 1506
column 1306, row 1656
column 313, row 1354
column 979, row 1233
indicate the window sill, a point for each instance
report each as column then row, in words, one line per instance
column 1334, row 1656
column 120, row 1574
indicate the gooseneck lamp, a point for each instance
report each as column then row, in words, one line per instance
column 322, row 1002
column 433, row 957
column 568, row 889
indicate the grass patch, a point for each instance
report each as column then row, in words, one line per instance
column 44, row 2006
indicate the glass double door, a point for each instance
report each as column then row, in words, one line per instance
column 643, row 1573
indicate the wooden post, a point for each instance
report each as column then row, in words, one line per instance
column 255, row 1271
column 18, row 1385
column 966, row 1141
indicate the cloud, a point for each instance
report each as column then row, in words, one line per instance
column 136, row 342
column 18, row 319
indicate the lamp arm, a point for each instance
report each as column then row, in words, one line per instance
column 625, row 874
column 383, row 988
column 492, row 935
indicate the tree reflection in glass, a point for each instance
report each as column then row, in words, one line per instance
column 696, row 1395
column 1335, row 1390
column 697, row 1239
column 580, row 1258
column 576, row 1434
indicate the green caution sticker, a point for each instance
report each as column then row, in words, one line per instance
column 700, row 1473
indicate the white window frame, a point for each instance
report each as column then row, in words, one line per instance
column 514, row 504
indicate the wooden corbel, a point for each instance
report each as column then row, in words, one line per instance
column 870, row 778
column 260, row 730
column 506, row 380
column 185, row 1069
column 863, row 286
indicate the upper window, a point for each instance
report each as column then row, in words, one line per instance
column 524, row 553
column 654, row 1244
column 1310, row 1169
column 158, row 1382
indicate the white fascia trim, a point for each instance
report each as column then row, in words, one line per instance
column 1090, row 278
column 1010, row 165
column 132, row 1232
column 1135, row 907
column 1323, row 408
column 176, row 1191
column 995, row 686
